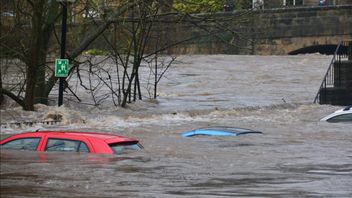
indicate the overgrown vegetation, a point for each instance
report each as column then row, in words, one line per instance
column 96, row 52
column 198, row 6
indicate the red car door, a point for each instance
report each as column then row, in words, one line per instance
column 63, row 137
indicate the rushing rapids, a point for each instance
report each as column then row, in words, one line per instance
column 297, row 155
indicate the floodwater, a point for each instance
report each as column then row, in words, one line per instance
column 296, row 156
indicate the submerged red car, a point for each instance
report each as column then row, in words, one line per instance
column 70, row 141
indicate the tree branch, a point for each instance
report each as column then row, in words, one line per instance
column 90, row 38
column 17, row 99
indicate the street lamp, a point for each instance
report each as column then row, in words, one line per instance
column 62, row 73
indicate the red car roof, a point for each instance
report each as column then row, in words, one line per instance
column 96, row 142
column 108, row 138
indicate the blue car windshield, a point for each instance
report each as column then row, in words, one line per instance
column 228, row 129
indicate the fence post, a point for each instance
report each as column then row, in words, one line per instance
column 349, row 50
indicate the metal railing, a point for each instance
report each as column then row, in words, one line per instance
column 331, row 78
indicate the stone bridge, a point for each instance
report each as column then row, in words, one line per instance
column 275, row 32
column 304, row 30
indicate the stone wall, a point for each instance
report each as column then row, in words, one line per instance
column 289, row 30
column 274, row 31
column 309, row 2
column 263, row 32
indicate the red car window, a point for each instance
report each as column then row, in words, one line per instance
column 65, row 145
column 30, row 144
column 123, row 147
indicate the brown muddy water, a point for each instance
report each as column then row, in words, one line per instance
column 296, row 156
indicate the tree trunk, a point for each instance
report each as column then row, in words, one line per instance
column 32, row 59
column 1, row 95
column 39, row 90
column 127, row 92
column 41, row 95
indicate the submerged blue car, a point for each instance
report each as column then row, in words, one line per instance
column 219, row 131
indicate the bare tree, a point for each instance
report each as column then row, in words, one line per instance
column 138, row 23
column 35, row 22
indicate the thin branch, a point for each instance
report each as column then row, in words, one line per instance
column 17, row 99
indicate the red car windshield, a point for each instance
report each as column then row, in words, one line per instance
column 124, row 147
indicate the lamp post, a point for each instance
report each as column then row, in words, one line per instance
column 63, row 50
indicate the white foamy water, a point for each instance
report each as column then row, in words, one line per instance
column 296, row 156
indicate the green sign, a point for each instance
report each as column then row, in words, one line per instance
column 61, row 67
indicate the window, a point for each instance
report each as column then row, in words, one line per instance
column 22, row 144
column 83, row 148
column 341, row 118
column 66, row 145
column 123, row 147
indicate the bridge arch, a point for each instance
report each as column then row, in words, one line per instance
column 327, row 49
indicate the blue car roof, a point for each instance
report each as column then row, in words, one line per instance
column 219, row 131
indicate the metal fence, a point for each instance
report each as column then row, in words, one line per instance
column 332, row 76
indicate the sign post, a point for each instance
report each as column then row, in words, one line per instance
column 61, row 65
column 60, row 62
